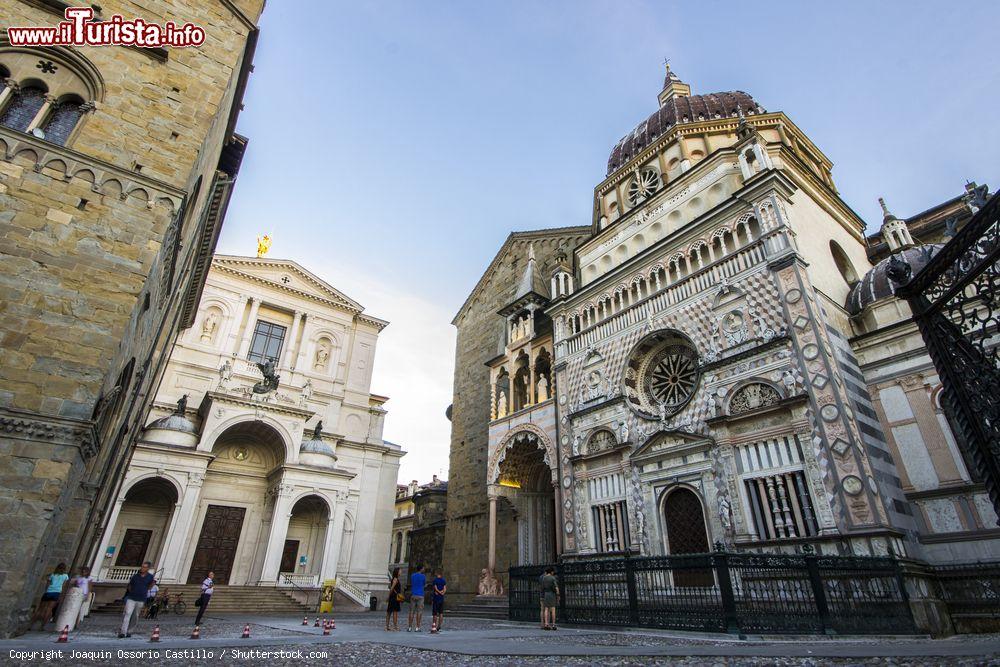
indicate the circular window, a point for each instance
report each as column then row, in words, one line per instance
column 643, row 185
column 662, row 375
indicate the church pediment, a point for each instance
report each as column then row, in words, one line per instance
column 285, row 275
column 669, row 444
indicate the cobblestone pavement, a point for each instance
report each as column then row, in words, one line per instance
column 360, row 640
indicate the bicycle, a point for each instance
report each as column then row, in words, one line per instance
column 178, row 606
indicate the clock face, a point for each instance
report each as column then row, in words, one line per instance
column 241, row 454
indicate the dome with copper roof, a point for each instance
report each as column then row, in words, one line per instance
column 678, row 106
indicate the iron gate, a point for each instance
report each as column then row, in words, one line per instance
column 955, row 301
column 747, row 593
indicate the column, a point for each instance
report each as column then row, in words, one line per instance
column 40, row 116
column 557, row 523
column 109, row 528
column 180, row 527
column 334, row 537
column 5, row 92
column 288, row 356
column 276, row 538
column 251, row 323
column 493, row 534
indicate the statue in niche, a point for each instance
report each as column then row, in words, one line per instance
column 307, row 392
column 725, row 515
column 577, row 443
column 182, row 404
column 623, row 431
column 209, row 325
column 502, row 404
column 543, row 389
column 225, row 374
column 594, row 380
column 322, row 354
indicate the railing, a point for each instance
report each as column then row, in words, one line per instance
column 356, row 593
column 970, row 589
column 118, row 573
column 726, row 592
column 290, row 579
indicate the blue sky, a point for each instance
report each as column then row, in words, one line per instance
column 394, row 145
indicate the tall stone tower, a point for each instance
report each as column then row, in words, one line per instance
column 116, row 167
column 481, row 335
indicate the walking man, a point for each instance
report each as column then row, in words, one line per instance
column 135, row 597
column 417, row 583
column 440, row 587
column 207, row 588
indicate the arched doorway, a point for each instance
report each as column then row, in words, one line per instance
column 305, row 542
column 684, row 521
column 524, row 479
column 141, row 529
column 235, row 507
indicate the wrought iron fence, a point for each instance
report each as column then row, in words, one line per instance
column 725, row 592
column 971, row 590
column 955, row 301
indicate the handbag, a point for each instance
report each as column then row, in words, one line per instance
column 399, row 597
column 197, row 603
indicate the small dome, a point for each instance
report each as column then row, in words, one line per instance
column 317, row 446
column 876, row 285
column 173, row 422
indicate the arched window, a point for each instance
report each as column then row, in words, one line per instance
column 58, row 75
column 24, row 105
column 843, row 264
column 62, row 120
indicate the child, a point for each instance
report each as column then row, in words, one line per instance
column 440, row 587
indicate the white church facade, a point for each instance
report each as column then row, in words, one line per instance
column 273, row 486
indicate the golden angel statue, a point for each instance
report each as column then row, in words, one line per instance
column 263, row 245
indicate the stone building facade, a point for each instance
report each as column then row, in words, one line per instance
column 116, row 166
column 713, row 377
column 290, row 487
column 426, row 538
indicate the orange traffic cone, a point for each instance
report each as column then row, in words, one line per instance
column 305, row 620
column 246, row 631
column 155, row 637
column 316, row 624
column 326, row 628
column 63, row 636
column 196, row 633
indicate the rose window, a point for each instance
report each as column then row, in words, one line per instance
column 643, row 185
column 672, row 376
column 662, row 375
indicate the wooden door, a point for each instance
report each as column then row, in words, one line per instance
column 289, row 555
column 686, row 534
column 216, row 550
column 134, row 546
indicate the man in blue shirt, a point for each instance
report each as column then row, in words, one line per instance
column 417, row 583
column 440, row 587
column 135, row 597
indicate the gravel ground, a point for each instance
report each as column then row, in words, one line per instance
column 370, row 655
